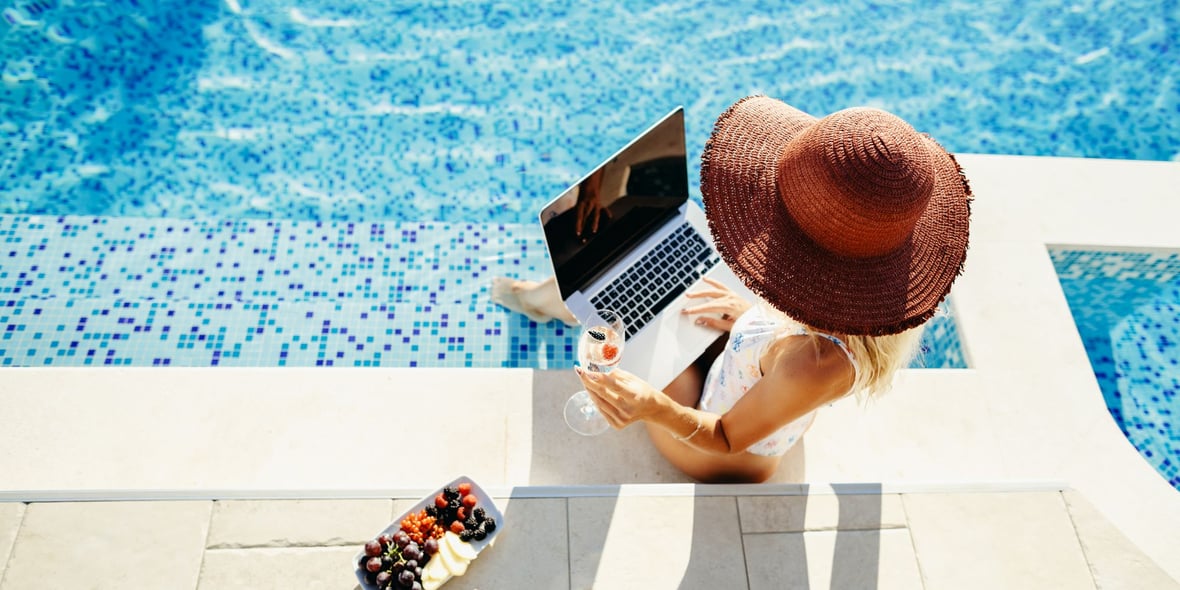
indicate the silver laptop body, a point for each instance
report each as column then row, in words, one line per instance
column 650, row 246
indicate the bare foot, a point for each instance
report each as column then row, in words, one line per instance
column 541, row 302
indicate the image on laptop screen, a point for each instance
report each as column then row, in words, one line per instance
column 614, row 208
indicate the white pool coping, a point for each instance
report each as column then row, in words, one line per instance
column 1029, row 409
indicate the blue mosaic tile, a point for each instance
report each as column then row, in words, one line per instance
column 98, row 291
column 1127, row 309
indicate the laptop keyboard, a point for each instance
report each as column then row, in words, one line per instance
column 657, row 278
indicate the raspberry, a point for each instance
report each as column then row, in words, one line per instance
column 440, row 501
column 457, row 527
column 461, row 513
column 470, row 501
column 609, row 352
column 464, row 488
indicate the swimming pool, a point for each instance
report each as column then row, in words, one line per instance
column 1127, row 308
column 226, row 182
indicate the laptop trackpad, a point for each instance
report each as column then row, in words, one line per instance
column 667, row 346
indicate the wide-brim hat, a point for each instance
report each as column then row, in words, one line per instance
column 854, row 223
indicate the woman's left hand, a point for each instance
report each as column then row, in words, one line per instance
column 622, row 397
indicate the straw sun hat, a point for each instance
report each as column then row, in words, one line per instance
column 854, row 223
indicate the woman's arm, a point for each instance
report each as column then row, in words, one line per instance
column 801, row 374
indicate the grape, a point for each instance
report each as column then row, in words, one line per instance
column 401, row 539
column 416, row 586
column 386, row 562
column 373, row 548
column 431, row 546
column 412, row 551
column 374, row 564
column 418, row 572
column 385, row 539
column 383, row 579
column 411, row 564
column 406, row 578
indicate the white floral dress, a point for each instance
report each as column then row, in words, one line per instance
column 737, row 369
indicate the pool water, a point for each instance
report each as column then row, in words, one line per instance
column 477, row 111
column 1127, row 309
column 238, row 183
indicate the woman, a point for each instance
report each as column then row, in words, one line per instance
column 851, row 230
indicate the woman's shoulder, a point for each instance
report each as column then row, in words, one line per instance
column 811, row 360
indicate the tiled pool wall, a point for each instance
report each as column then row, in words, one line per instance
column 104, row 291
column 1127, row 309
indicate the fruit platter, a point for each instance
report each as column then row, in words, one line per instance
column 432, row 542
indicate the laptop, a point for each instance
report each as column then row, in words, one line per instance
column 626, row 237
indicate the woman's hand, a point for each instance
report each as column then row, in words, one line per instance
column 722, row 301
column 622, row 397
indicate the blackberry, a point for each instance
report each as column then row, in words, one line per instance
column 595, row 334
column 479, row 534
column 489, row 524
column 450, row 493
column 455, row 503
column 432, row 511
column 471, row 524
column 479, row 513
column 465, row 536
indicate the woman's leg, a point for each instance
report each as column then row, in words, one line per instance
column 741, row 467
column 541, row 302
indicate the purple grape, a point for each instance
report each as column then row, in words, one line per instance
column 374, row 564
column 401, row 539
column 411, row 552
column 373, row 548
column 416, row 586
column 431, row 546
column 411, row 564
column 383, row 579
column 418, row 572
column 406, row 578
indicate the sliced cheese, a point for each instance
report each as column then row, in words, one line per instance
column 462, row 549
column 452, row 563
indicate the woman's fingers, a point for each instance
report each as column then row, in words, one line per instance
column 722, row 324
column 715, row 306
column 607, row 410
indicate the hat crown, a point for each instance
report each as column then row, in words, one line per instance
column 857, row 181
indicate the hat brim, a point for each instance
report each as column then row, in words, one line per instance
column 768, row 251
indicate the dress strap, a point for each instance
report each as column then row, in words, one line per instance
column 844, row 347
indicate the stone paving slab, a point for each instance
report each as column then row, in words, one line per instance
column 792, row 514
column 115, row 545
column 567, row 538
column 305, row 568
column 295, row 523
column 655, row 542
column 1115, row 562
column 837, row 559
column 11, row 514
column 996, row 540
column 531, row 551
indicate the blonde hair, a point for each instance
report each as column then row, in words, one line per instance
column 878, row 358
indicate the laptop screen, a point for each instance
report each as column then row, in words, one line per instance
column 619, row 204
